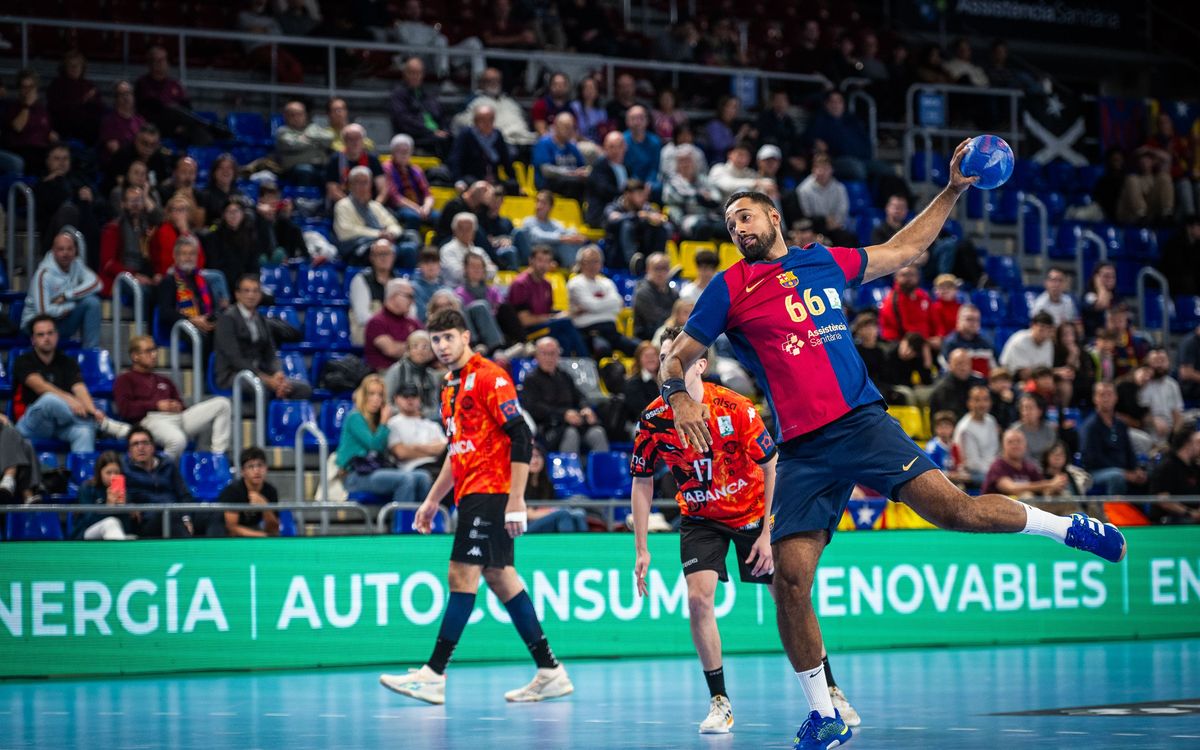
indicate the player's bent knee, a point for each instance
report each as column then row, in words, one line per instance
column 700, row 607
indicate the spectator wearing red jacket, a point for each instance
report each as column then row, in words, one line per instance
column 945, row 306
column 906, row 309
column 125, row 242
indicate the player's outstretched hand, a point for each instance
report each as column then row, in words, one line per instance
column 958, row 181
column 691, row 422
column 423, row 522
column 760, row 555
column 515, row 522
column 640, row 569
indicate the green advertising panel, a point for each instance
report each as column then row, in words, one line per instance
column 103, row 608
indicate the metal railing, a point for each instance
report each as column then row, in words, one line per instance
column 1083, row 237
column 858, row 95
column 20, row 188
column 1012, row 135
column 385, row 512
column 1164, row 300
column 193, row 333
column 311, row 428
column 247, row 378
column 1023, row 199
column 126, row 280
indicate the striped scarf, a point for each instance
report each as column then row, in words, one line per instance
column 189, row 303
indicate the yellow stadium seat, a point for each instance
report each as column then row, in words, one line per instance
column 674, row 254
column 728, row 254
column 426, row 163
column 558, row 286
column 568, row 211
column 910, row 420
column 687, row 255
column 442, row 196
column 625, row 322
column 524, row 178
column 505, row 278
column 429, row 235
column 516, row 207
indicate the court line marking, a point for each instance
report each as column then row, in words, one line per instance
column 546, row 721
column 1065, row 732
column 598, row 721
column 912, row 729
column 491, row 718
column 166, row 713
column 55, row 713
column 331, row 716
column 110, row 713
column 963, row 729
column 387, row 716
column 1127, row 734
column 277, row 714
column 756, row 725
column 650, row 722
column 1185, row 736
column 1018, row 731
column 221, row 713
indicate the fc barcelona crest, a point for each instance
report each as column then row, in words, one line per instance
column 788, row 280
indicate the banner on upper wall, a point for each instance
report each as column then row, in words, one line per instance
column 157, row 606
column 1094, row 22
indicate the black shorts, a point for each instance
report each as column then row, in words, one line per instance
column 480, row 538
column 704, row 545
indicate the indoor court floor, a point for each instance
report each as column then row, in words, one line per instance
column 1098, row 695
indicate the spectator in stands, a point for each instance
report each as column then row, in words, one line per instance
column 74, row 102
column 359, row 220
column 769, row 158
column 735, row 173
column 64, row 197
column 153, row 479
column 353, row 154
column 251, row 488
column 20, row 470
column 642, row 387
column 339, row 118
column 931, row 68
column 222, row 186
column 558, row 165
column 540, row 229
column 1101, row 295
column 681, row 310
column 724, row 130
column 554, row 102
column 952, row 389
column 1107, row 190
column 1178, row 474
column 960, row 67
column 66, row 291
column 427, row 280
column 547, row 518
column 1055, row 301
column 895, row 215
column 125, row 243
column 942, row 450
column 776, row 125
column 418, row 370
column 481, row 302
column 1107, row 451
column 511, row 27
column 136, row 176
column 386, row 333
column 301, row 147
column 144, row 397
column 1030, row 348
column 120, row 125
column 279, row 239
column 1103, row 356
column 1184, row 172
column 1014, row 474
column 977, row 435
column 414, row 439
column 231, row 248
column 1130, row 349
column 1161, row 395
column 1179, row 255
column 243, row 342
column 176, row 223
column 507, row 116
column 642, row 147
column 408, row 193
column 454, row 252
column 624, row 98
column 944, row 311
column 591, row 116
column 99, row 490
column 1057, row 462
column 298, row 17
column 255, row 18
column 607, row 179
column 532, row 298
column 163, row 101
column 1073, row 366
column 842, row 137
column 1130, row 410
column 363, row 455
column 1004, row 397
column 666, row 118
column 367, row 287
column 808, row 57
column 865, row 330
column 50, row 399
column 654, row 297
column 183, row 182
column 146, row 148
column 910, row 363
column 906, row 308
column 1040, row 435
column 26, row 130
column 825, row 200
column 411, row 30
column 480, row 152
column 1189, row 365
column 707, row 263
column 184, row 292
column 689, row 195
column 564, row 421
column 633, row 229
column 844, row 62
column 1147, row 196
column 474, row 200
column 416, row 111
column 595, row 303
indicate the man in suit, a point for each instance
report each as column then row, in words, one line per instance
column 243, row 342
column 480, row 151
column 416, row 111
column 607, row 179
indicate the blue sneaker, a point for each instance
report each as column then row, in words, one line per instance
column 1101, row 539
column 822, row 732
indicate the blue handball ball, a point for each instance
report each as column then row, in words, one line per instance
column 989, row 157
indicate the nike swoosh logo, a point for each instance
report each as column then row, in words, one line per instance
column 908, row 465
column 751, row 288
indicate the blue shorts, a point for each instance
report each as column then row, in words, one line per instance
column 817, row 472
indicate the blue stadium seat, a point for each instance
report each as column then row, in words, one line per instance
column 292, row 364
column 1003, row 271
column 1001, row 336
column 1002, row 206
column 566, row 474
column 1187, row 314
column 938, row 172
column 402, row 522
column 993, row 308
column 96, row 367
column 952, row 227
column 33, row 527
column 871, row 296
column 284, row 417
column 327, row 328
column 1086, row 177
column 321, row 285
column 333, row 414
column 277, row 122
column 522, row 367
column 278, row 282
column 5, row 377
column 249, row 128
column 1114, row 238
column 1026, row 175
column 206, row 474
column 1127, row 271
column 1151, row 314
column 210, row 378
column 976, row 203
column 608, row 475
column 1059, row 175
column 286, row 313
column 859, row 195
column 1141, row 243
column 80, row 468
column 1056, row 206
column 1020, row 306
column 287, row 523
column 864, row 225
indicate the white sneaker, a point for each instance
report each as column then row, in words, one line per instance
column 423, row 684
column 547, row 683
column 842, row 704
column 720, row 717
column 119, row 430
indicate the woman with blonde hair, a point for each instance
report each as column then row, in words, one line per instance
column 363, row 455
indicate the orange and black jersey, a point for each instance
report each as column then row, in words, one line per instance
column 477, row 401
column 725, row 483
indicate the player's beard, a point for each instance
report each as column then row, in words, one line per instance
column 757, row 250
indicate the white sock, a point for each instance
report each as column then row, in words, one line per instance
column 9, row 482
column 816, row 690
column 1046, row 524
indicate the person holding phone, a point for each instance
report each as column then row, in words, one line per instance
column 105, row 488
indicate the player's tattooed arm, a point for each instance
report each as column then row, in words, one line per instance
column 691, row 417
column 911, row 242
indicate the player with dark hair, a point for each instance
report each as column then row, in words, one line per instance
column 781, row 308
column 490, row 447
column 724, row 497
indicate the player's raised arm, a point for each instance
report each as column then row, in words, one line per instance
column 915, row 238
column 691, row 417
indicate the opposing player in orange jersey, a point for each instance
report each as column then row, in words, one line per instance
column 490, row 447
column 724, row 496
